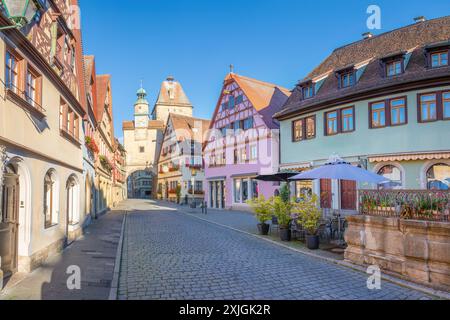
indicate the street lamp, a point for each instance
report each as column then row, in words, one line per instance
column 20, row 12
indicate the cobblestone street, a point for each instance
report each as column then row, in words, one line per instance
column 170, row 255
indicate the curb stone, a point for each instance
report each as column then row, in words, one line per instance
column 407, row 284
column 117, row 264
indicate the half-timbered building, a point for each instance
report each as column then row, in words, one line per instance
column 242, row 142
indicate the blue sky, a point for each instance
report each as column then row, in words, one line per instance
column 196, row 40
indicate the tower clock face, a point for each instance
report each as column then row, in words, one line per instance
column 141, row 122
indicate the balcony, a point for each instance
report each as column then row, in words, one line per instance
column 196, row 192
column 425, row 205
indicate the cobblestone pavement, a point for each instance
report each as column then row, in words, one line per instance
column 95, row 254
column 170, row 255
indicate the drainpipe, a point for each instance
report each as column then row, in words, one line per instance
column 3, row 159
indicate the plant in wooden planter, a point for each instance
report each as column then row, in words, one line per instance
column 262, row 209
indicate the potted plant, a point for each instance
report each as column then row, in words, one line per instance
column 178, row 193
column 309, row 216
column 262, row 209
column 282, row 210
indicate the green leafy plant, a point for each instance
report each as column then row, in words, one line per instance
column 178, row 192
column 262, row 208
column 285, row 193
column 282, row 210
column 309, row 214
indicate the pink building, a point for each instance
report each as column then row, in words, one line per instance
column 243, row 142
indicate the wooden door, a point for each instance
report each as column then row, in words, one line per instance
column 348, row 195
column 9, row 224
column 326, row 195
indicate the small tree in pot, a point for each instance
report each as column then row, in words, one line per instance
column 282, row 210
column 309, row 216
column 262, row 209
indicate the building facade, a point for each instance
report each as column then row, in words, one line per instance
column 243, row 142
column 119, row 174
column 90, row 147
column 181, row 169
column 142, row 140
column 382, row 103
column 41, row 138
column 104, row 135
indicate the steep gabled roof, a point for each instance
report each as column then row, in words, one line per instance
column 259, row 93
column 266, row 98
column 184, row 124
column 103, row 82
column 172, row 93
column 410, row 41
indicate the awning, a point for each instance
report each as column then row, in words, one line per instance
column 411, row 157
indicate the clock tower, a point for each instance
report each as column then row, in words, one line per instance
column 141, row 110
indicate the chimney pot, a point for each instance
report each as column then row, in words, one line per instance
column 420, row 19
column 367, row 35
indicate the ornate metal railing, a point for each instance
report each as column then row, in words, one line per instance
column 406, row 204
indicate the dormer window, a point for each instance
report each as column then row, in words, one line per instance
column 439, row 59
column 394, row 68
column 437, row 54
column 347, row 79
column 307, row 90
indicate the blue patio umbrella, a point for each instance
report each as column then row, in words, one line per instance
column 341, row 170
column 338, row 169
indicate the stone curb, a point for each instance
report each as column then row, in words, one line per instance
column 115, row 281
column 392, row 279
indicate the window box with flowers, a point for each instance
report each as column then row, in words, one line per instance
column 106, row 164
column 91, row 145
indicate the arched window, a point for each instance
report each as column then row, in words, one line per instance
column 73, row 201
column 438, row 177
column 392, row 173
column 50, row 197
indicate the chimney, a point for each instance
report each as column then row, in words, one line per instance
column 420, row 19
column 367, row 35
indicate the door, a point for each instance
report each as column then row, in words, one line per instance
column 326, row 195
column 9, row 224
column 222, row 192
column 348, row 195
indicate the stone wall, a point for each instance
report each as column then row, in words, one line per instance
column 419, row 251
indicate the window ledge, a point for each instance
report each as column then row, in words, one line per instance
column 70, row 137
column 37, row 111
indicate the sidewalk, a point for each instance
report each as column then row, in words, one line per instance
column 94, row 253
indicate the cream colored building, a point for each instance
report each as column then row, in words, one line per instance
column 181, row 162
column 142, row 138
column 105, row 163
column 41, row 141
column 171, row 99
